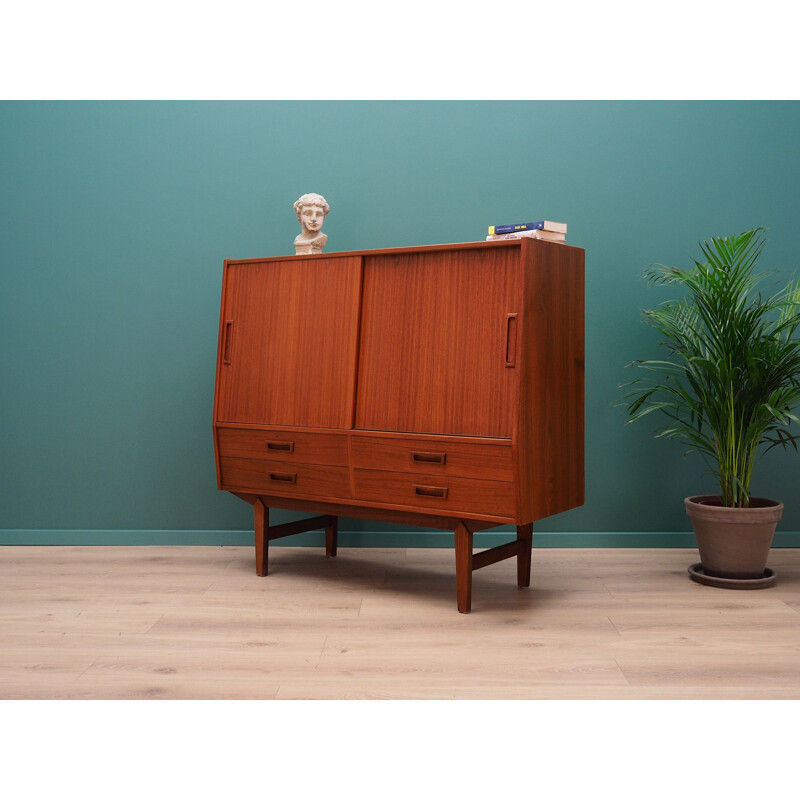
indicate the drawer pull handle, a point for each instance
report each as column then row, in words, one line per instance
column 431, row 491
column 286, row 447
column 429, row 458
column 283, row 477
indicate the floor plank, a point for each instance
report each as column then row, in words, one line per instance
column 196, row 622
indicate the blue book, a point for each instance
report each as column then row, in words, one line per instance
column 542, row 225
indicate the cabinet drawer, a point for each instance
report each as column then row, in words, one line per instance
column 434, row 457
column 447, row 493
column 280, row 445
column 278, row 477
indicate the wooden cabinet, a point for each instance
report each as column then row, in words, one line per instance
column 440, row 386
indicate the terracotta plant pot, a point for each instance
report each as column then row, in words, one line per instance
column 734, row 542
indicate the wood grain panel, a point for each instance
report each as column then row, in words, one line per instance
column 288, row 342
column 447, row 494
column 377, row 511
column 551, row 422
column 434, row 342
column 433, row 457
column 278, row 478
column 288, row 446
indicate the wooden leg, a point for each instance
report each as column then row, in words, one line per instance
column 331, row 535
column 525, row 538
column 463, row 536
column 261, row 518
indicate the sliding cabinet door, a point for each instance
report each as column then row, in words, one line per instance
column 439, row 341
column 288, row 343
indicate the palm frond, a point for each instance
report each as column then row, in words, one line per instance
column 732, row 373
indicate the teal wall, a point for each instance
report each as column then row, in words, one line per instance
column 115, row 218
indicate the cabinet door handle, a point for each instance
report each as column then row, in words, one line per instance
column 431, row 491
column 283, row 477
column 286, row 447
column 226, row 350
column 511, row 340
column 429, row 458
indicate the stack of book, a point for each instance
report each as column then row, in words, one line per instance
column 544, row 229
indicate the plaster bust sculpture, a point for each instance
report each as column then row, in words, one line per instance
column 311, row 210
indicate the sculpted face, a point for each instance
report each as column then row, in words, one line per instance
column 311, row 210
column 311, row 218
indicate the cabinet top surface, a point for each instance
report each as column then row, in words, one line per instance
column 518, row 243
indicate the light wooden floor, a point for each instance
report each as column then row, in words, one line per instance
column 196, row 622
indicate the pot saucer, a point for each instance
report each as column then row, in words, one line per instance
column 696, row 574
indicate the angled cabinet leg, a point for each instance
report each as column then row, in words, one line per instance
column 331, row 536
column 463, row 538
column 261, row 519
column 525, row 539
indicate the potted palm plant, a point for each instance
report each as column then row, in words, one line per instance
column 727, row 388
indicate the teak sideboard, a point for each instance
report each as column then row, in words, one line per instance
column 439, row 386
